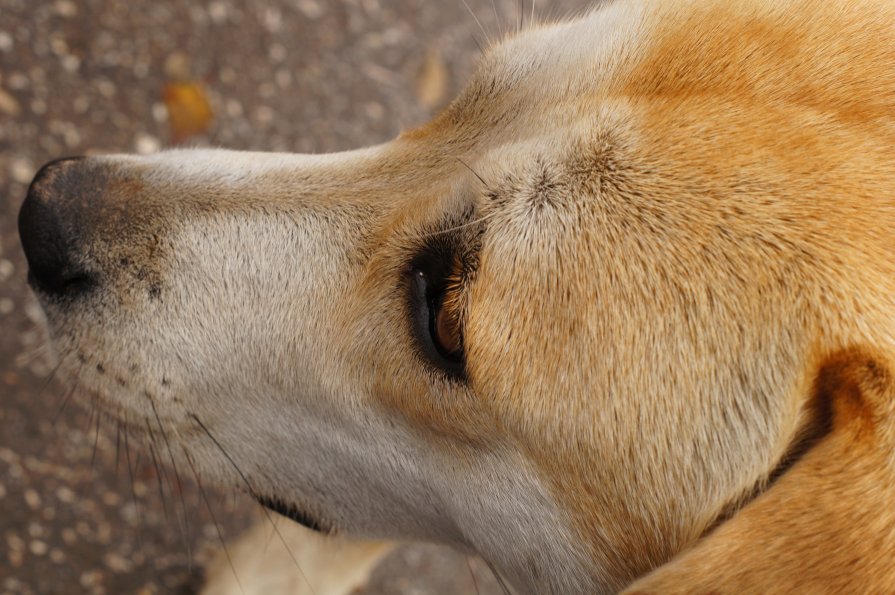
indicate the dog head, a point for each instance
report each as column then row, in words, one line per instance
column 570, row 324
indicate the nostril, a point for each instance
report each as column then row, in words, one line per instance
column 68, row 285
column 50, row 242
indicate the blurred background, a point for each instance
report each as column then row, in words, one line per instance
column 79, row 512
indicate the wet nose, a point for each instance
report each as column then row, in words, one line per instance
column 50, row 235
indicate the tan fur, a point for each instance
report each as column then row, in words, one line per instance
column 827, row 524
column 681, row 217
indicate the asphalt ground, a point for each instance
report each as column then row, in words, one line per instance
column 81, row 510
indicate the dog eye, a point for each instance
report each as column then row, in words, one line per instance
column 436, row 328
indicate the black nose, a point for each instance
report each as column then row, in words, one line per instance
column 50, row 239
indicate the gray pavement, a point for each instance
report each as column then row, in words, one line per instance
column 80, row 510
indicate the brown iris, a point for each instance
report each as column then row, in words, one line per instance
column 446, row 333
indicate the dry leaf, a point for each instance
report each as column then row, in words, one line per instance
column 189, row 111
column 8, row 104
column 431, row 83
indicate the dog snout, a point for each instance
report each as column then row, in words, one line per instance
column 51, row 229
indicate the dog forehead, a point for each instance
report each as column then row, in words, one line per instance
column 594, row 44
column 535, row 79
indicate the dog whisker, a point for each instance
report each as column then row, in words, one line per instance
column 475, row 583
column 472, row 223
column 67, row 397
column 273, row 532
column 117, row 447
column 50, row 378
column 30, row 356
column 474, row 172
column 130, row 472
column 62, row 407
column 478, row 44
column 479, row 23
column 497, row 22
column 503, row 586
column 158, row 471
column 91, row 413
column 252, row 490
column 94, row 413
column 214, row 519
column 185, row 527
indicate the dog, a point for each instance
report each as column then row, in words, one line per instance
column 621, row 317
